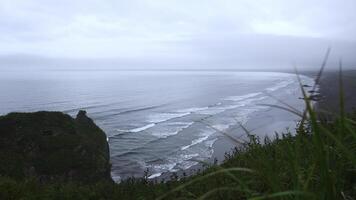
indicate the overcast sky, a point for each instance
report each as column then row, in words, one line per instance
column 176, row 34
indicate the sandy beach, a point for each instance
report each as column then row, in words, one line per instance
column 329, row 89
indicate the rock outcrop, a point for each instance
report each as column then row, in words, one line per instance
column 52, row 146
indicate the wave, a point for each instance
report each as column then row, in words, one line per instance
column 138, row 109
column 218, row 109
column 121, row 112
column 163, row 117
column 135, row 130
column 115, row 177
column 221, row 127
column 280, row 85
column 174, row 163
column 155, row 175
column 242, row 97
column 211, row 111
column 156, row 119
column 194, row 142
column 160, row 118
column 192, row 110
column 179, row 126
column 222, row 108
column 210, row 143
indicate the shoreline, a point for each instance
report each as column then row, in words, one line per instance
column 328, row 88
column 261, row 124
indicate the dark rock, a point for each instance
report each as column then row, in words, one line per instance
column 53, row 146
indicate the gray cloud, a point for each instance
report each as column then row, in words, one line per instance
column 176, row 32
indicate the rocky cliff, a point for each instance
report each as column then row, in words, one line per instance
column 52, row 146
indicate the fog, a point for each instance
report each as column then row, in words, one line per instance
column 167, row 35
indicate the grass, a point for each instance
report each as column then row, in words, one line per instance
column 318, row 162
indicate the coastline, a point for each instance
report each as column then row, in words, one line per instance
column 277, row 121
column 266, row 123
column 328, row 88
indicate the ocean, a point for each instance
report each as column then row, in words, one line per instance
column 159, row 121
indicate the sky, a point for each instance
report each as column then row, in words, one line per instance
column 170, row 34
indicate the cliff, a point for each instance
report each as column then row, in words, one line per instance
column 52, row 146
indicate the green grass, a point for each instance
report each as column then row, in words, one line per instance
column 318, row 162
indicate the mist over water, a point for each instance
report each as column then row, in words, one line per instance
column 153, row 119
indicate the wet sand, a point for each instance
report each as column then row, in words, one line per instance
column 329, row 88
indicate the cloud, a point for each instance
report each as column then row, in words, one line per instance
column 170, row 29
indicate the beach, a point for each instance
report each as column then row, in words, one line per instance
column 330, row 90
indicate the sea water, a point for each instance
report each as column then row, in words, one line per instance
column 160, row 121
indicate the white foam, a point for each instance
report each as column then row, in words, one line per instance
column 154, row 175
column 185, row 160
column 249, row 101
column 219, row 109
column 242, row 97
column 174, row 163
column 194, row 142
column 135, row 130
column 116, row 178
column 165, row 167
column 162, row 117
column 178, row 127
column 192, row 110
column 280, row 85
column 221, row 127
column 210, row 143
column 211, row 111
column 122, row 131
column 189, row 156
column 228, row 107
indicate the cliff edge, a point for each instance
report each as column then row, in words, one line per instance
column 52, row 146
